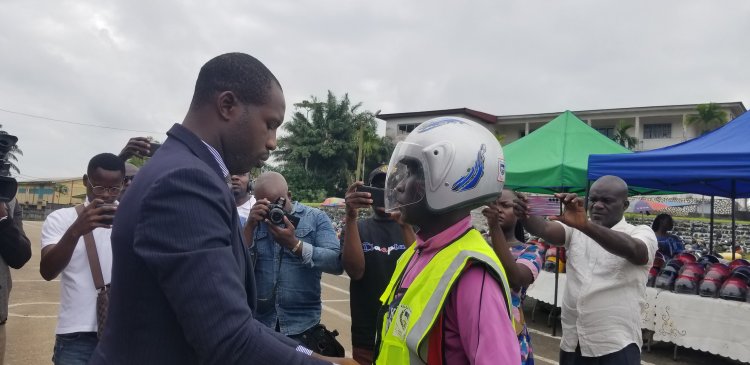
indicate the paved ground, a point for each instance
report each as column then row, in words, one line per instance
column 33, row 308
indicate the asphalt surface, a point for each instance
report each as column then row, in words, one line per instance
column 34, row 303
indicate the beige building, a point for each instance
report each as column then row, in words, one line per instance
column 653, row 126
column 41, row 193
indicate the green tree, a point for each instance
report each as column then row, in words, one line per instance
column 329, row 144
column 709, row 116
column 12, row 156
column 59, row 189
column 622, row 137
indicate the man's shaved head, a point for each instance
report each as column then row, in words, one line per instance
column 616, row 184
column 608, row 200
column 271, row 185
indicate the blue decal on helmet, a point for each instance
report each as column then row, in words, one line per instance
column 472, row 177
column 424, row 127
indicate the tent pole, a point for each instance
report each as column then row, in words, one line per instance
column 734, row 227
column 711, row 228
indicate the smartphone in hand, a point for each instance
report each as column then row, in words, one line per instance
column 376, row 194
column 111, row 210
column 544, row 206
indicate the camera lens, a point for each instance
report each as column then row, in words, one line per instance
column 276, row 216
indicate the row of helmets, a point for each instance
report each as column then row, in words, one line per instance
column 707, row 276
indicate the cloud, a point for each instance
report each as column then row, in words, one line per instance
column 133, row 64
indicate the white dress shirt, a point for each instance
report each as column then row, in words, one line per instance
column 601, row 305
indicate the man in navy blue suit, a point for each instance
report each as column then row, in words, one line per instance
column 183, row 287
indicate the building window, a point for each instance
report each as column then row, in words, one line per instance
column 406, row 128
column 22, row 190
column 657, row 131
column 609, row 132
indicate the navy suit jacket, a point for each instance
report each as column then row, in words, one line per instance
column 183, row 288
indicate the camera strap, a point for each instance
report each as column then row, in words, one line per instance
column 93, row 256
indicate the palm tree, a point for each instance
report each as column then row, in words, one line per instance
column 11, row 157
column 622, row 137
column 59, row 189
column 709, row 117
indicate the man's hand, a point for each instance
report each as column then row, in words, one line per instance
column 258, row 213
column 574, row 214
column 91, row 218
column 283, row 235
column 356, row 200
column 136, row 146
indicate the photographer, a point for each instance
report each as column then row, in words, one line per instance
column 15, row 251
column 293, row 245
column 64, row 252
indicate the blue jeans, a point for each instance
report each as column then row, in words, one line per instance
column 74, row 348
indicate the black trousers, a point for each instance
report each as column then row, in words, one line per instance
column 630, row 355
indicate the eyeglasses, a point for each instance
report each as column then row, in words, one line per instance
column 128, row 179
column 101, row 190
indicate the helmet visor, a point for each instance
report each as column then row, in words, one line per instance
column 405, row 182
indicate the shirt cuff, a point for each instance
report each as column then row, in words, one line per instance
column 304, row 350
column 307, row 253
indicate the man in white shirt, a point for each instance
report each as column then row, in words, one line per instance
column 243, row 196
column 607, row 268
column 64, row 253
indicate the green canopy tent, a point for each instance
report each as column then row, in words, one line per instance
column 555, row 157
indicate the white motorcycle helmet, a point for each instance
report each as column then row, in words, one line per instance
column 460, row 161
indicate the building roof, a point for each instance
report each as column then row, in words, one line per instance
column 485, row 117
column 47, row 180
column 736, row 107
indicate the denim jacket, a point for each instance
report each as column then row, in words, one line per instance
column 289, row 286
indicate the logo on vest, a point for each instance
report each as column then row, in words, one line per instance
column 402, row 321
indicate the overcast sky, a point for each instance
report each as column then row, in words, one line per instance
column 133, row 64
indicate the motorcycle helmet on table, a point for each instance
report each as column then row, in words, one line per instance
column 713, row 279
column 734, row 288
column 688, row 279
column 685, row 257
column 668, row 275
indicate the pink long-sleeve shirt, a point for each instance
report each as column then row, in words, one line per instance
column 477, row 327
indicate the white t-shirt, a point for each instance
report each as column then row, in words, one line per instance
column 77, row 291
column 601, row 305
column 244, row 210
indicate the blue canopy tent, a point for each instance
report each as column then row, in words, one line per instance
column 716, row 164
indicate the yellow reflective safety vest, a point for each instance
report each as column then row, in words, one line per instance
column 405, row 325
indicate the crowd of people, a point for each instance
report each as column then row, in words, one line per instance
column 190, row 260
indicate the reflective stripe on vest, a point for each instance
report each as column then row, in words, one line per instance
column 403, row 332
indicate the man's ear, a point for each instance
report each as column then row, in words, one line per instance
column 626, row 204
column 227, row 105
column 85, row 179
column 289, row 196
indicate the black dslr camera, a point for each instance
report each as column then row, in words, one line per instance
column 8, row 185
column 276, row 213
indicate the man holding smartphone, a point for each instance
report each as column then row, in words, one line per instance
column 371, row 248
column 607, row 268
column 64, row 253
